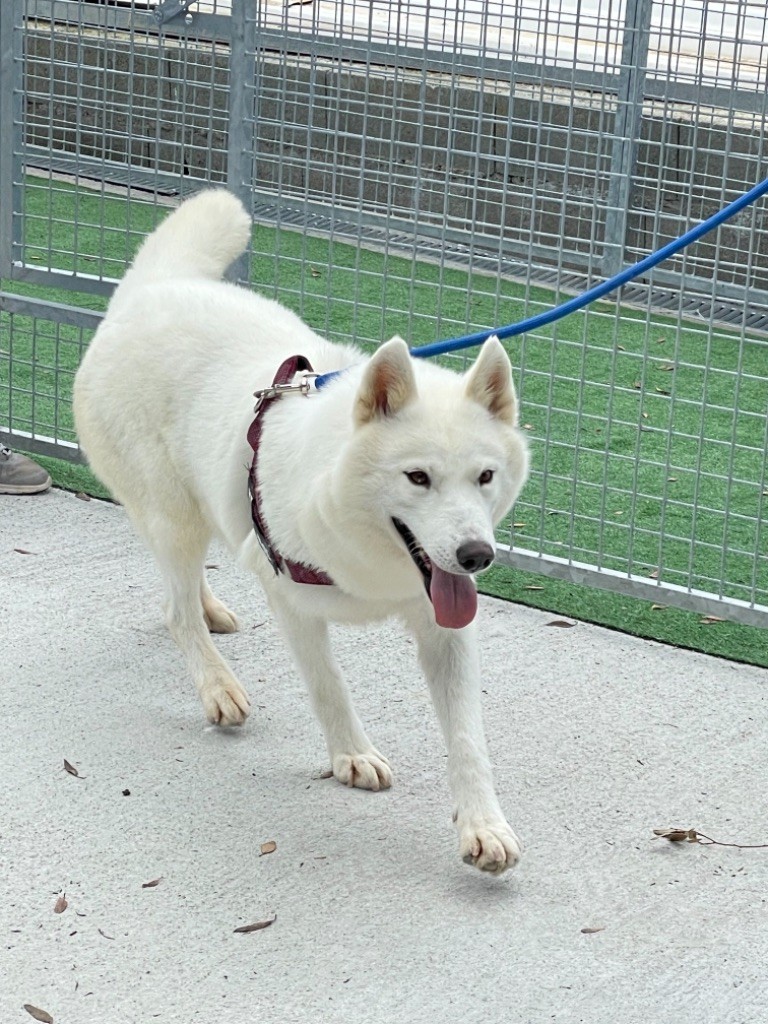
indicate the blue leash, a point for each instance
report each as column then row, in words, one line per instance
column 579, row 301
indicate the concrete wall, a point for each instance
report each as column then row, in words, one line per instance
column 531, row 168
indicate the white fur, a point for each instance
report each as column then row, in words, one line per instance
column 163, row 401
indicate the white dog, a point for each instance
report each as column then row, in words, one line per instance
column 381, row 490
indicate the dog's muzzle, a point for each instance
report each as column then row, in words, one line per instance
column 453, row 595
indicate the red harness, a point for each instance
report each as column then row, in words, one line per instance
column 298, row 572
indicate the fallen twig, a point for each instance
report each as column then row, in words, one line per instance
column 691, row 835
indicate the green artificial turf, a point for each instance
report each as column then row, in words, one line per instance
column 616, row 402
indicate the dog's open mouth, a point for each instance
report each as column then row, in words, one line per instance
column 453, row 595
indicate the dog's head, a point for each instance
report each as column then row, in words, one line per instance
column 439, row 461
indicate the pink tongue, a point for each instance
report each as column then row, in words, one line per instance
column 454, row 598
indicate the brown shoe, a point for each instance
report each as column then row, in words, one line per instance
column 20, row 475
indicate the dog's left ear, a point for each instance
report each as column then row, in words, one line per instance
column 388, row 383
column 489, row 382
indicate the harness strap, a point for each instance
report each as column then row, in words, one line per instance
column 298, row 572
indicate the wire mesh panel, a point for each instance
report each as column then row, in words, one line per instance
column 429, row 169
column 109, row 115
column 703, row 142
column 423, row 120
column 653, row 460
column 112, row 101
column 38, row 359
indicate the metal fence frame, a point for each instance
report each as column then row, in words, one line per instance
column 630, row 88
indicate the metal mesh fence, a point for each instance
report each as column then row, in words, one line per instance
column 431, row 169
column 41, row 364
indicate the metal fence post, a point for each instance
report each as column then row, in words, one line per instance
column 240, row 128
column 11, row 132
column 626, row 131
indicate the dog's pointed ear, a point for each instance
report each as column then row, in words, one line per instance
column 388, row 383
column 489, row 382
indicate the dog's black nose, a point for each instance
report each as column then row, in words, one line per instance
column 475, row 555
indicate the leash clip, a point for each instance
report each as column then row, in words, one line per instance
column 303, row 387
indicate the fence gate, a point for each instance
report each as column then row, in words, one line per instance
column 431, row 170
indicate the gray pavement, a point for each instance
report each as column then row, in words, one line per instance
column 596, row 737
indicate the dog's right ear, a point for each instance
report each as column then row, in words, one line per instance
column 388, row 383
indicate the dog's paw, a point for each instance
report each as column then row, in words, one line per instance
column 491, row 847
column 218, row 618
column 363, row 771
column 225, row 701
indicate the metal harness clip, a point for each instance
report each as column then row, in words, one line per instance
column 278, row 390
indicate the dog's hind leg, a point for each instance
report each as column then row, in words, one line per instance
column 354, row 759
column 224, row 699
column 179, row 544
column 218, row 618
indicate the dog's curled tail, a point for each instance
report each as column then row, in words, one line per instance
column 199, row 239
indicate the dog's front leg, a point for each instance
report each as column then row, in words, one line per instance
column 354, row 759
column 450, row 662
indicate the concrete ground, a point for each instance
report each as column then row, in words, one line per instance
column 597, row 738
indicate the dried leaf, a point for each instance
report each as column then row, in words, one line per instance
column 314, row 272
column 710, row 620
column 661, row 391
column 245, row 928
column 22, row 551
column 527, row 426
column 667, row 367
column 38, row 1014
column 70, row 769
column 83, row 496
column 533, row 588
column 268, row 847
column 519, row 526
column 325, row 775
column 104, row 935
column 658, row 607
column 618, row 513
column 561, row 623
column 620, row 348
column 61, row 904
column 653, row 574
column 591, row 931
column 153, row 884
column 637, row 385
column 677, row 835
column 671, row 479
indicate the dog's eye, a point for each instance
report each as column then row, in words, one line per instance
column 418, row 478
column 485, row 477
